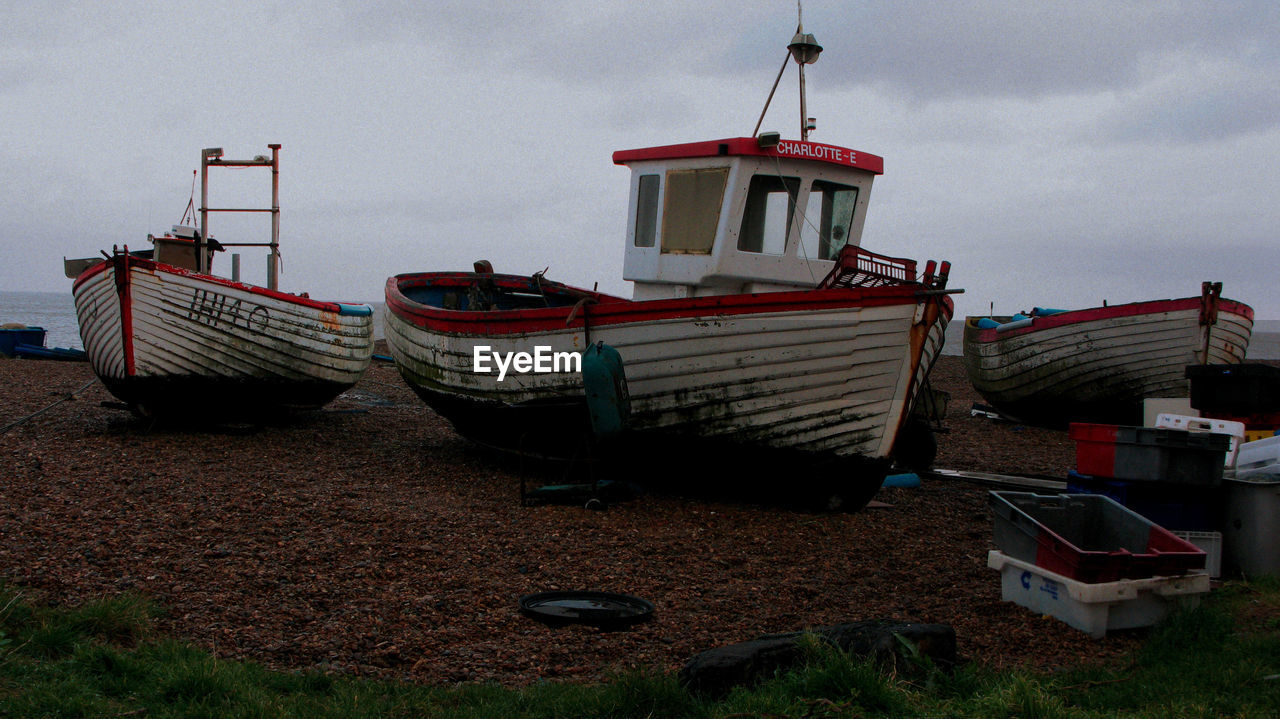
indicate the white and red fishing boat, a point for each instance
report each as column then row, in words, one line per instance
column 1052, row 367
column 167, row 337
column 758, row 326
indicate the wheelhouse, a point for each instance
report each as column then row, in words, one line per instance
column 741, row 215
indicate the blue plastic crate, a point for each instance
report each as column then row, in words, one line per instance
column 1174, row 507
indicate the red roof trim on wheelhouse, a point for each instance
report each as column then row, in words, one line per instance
column 750, row 146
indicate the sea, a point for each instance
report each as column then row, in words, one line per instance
column 56, row 313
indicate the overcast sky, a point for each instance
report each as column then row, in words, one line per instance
column 1058, row 154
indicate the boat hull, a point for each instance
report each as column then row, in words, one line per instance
column 823, row 374
column 168, row 341
column 1099, row 364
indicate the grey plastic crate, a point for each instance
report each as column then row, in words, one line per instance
column 1150, row 454
column 1088, row 537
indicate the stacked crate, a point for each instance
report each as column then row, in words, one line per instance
column 1090, row 562
column 1171, row 476
column 1250, row 394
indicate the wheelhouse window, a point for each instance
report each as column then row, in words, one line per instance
column 647, row 211
column 827, row 219
column 692, row 210
column 766, row 220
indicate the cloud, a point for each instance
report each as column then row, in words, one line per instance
column 1080, row 150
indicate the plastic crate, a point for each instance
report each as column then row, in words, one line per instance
column 1174, row 507
column 1211, row 543
column 1149, row 454
column 11, row 337
column 1234, row 430
column 1235, row 388
column 1259, row 459
column 1099, row 607
column 1088, row 537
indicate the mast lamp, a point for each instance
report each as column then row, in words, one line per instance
column 804, row 48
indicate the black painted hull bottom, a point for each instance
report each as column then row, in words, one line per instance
column 561, row 431
column 203, row 398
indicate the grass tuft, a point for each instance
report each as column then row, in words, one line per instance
column 124, row 619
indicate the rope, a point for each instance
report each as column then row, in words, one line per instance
column 586, row 323
column 39, row 412
column 191, row 204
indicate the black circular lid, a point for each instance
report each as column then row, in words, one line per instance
column 602, row 609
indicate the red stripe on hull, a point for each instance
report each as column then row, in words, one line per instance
column 1113, row 312
column 608, row 310
column 150, row 264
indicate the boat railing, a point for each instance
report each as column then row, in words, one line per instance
column 856, row 267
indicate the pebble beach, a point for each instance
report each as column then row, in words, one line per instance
column 369, row 539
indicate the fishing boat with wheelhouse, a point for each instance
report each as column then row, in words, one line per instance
column 759, row 329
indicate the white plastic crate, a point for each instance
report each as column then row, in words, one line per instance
column 1204, row 424
column 1259, row 459
column 1211, row 543
column 1095, row 608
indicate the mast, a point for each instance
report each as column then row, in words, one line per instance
column 804, row 49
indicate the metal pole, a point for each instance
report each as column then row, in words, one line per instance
column 235, row 267
column 201, row 253
column 273, row 264
column 804, row 113
column 774, row 89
